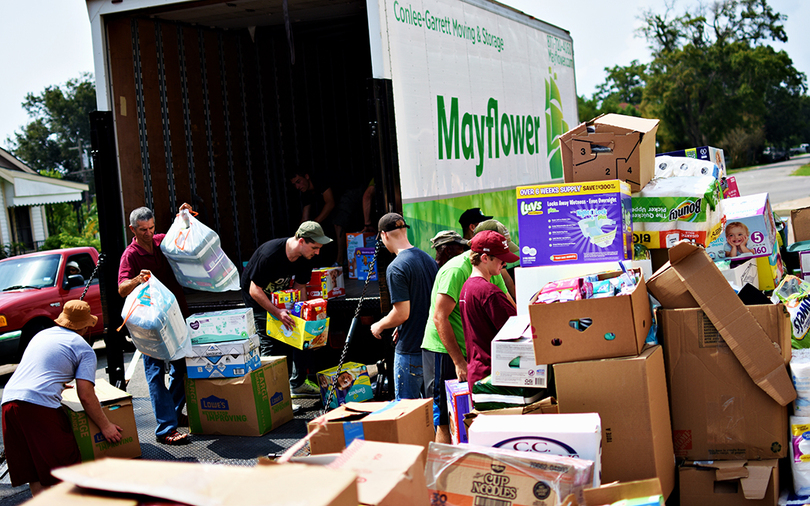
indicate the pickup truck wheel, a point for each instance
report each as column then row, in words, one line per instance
column 28, row 332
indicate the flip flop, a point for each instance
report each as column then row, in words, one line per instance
column 173, row 438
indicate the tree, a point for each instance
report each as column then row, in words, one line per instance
column 621, row 92
column 713, row 75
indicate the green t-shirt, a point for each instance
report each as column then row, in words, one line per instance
column 449, row 280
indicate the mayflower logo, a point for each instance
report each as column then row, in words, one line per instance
column 687, row 211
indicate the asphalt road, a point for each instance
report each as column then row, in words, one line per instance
column 775, row 179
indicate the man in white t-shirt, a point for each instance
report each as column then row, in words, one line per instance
column 36, row 431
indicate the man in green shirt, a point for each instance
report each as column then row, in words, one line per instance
column 443, row 347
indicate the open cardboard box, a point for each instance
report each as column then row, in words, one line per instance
column 114, row 482
column 800, row 222
column 620, row 147
column 690, row 273
column 613, row 492
column 730, row 483
column 407, row 421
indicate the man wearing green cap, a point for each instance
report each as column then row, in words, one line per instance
column 275, row 266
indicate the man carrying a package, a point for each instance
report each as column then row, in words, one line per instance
column 484, row 308
column 141, row 259
column 410, row 278
column 36, row 431
column 273, row 267
column 443, row 347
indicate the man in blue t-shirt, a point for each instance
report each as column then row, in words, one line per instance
column 36, row 431
column 410, row 279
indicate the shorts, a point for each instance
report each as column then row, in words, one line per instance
column 438, row 368
column 37, row 439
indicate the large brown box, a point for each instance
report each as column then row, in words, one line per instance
column 630, row 395
column 618, row 328
column 407, row 421
column 800, row 222
column 718, row 412
column 618, row 147
column 729, row 483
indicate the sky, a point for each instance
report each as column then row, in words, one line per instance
column 47, row 42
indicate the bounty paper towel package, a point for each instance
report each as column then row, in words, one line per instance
column 670, row 209
column 574, row 223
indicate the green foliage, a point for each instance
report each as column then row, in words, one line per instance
column 64, row 240
column 621, row 93
column 804, row 170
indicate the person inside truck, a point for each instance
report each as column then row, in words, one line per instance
column 470, row 219
column 36, row 430
column 274, row 266
column 73, row 268
column 141, row 259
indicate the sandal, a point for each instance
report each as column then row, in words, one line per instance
column 173, row 438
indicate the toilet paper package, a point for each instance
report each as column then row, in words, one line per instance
column 574, row 223
column 679, row 166
column 800, row 454
column 670, row 209
column 702, row 153
column 800, row 374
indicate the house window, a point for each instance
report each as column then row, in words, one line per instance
column 21, row 227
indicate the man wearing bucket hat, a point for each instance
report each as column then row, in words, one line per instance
column 276, row 265
column 448, row 244
column 36, row 431
column 484, row 308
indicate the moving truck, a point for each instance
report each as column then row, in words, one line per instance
column 444, row 104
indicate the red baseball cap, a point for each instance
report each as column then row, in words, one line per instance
column 493, row 244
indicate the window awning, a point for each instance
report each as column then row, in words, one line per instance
column 25, row 189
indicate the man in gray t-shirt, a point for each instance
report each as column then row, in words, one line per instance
column 36, row 431
column 410, row 279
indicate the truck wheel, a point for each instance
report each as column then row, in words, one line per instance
column 31, row 329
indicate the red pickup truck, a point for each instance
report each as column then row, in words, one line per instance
column 33, row 289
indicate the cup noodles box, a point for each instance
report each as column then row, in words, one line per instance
column 354, row 241
column 568, row 435
column 221, row 326
column 353, row 384
column 574, row 223
column 251, row 405
column 748, row 229
column 117, row 405
column 229, row 359
column 467, row 475
column 304, row 335
column 326, row 283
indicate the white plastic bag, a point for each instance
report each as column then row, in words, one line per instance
column 196, row 256
column 155, row 323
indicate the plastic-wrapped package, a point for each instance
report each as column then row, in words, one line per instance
column 156, row 326
column 800, row 454
column 795, row 294
column 800, row 374
column 196, row 256
column 466, row 474
column 682, row 166
column 675, row 208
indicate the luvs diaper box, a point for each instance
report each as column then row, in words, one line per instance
column 574, row 223
column 748, row 229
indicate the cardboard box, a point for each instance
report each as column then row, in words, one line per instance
column 547, row 406
column 691, row 270
column 750, row 218
column 800, row 222
column 718, row 412
column 729, row 483
column 513, row 362
column 117, row 405
column 459, row 403
column 248, row 406
column 619, row 327
column 567, row 435
column 387, row 474
column 363, row 259
column 471, row 475
column 614, row 492
column 116, row 482
column 744, row 273
column 326, row 283
column 709, row 153
column 574, row 223
column 354, row 385
column 305, row 335
column 221, row 326
column 354, row 241
column 619, row 147
column 630, row 395
column 229, row 359
column 407, row 421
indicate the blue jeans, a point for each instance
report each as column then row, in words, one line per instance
column 408, row 380
column 167, row 403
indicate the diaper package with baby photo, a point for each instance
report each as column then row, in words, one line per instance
column 671, row 209
column 574, row 223
column 351, row 384
column 748, row 229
